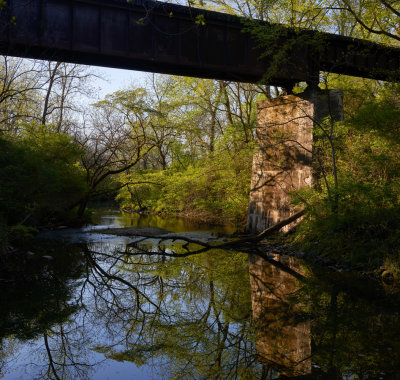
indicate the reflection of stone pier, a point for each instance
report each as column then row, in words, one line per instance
column 283, row 338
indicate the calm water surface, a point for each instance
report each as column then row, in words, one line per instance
column 91, row 306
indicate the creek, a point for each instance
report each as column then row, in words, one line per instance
column 84, row 304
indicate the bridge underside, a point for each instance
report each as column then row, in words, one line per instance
column 172, row 39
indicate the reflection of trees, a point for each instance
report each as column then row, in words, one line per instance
column 191, row 314
column 186, row 309
column 198, row 321
column 66, row 351
column 355, row 327
column 36, row 298
column 35, row 293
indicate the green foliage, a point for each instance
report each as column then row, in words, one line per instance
column 280, row 44
column 210, row 189
column 364, row 228
column 39, row 180
column 200, row 20
column 202, row 132
column 58, row 147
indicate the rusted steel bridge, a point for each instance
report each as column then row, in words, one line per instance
column 173, row 39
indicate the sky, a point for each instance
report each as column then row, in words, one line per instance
column 117, row 79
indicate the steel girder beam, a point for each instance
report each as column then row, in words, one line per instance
column 173, row 39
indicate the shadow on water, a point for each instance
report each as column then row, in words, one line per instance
column 113, row 310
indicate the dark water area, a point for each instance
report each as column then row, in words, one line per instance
column 85, row 305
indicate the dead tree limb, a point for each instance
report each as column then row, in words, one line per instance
column 262, row 235
column 276, row 227
column 267, row 232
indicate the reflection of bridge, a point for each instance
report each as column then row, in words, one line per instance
column 172, row 39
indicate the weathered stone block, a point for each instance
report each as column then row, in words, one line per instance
column 283, row 161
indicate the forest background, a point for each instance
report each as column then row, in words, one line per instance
column 185, row 145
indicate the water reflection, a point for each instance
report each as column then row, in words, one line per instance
column 37, row 300
column 319, row 325
column 184, row 317
column 155, row 310
column 113, row 218
column 191, row 315
column 283, row 338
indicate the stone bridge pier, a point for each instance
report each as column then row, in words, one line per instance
column 284, row 161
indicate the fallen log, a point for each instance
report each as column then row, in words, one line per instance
column 267, row 232
column 231, row 244
column 276, row 227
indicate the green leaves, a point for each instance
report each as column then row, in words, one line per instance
column 38, row 179
column 202, row 134
column 380, row 118
column 200, row 20
column 213, row 189
column 364, row 227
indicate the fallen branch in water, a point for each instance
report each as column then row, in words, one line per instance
column 267, row 232
column 276, row 227
column 205, row 247
column 248, row 239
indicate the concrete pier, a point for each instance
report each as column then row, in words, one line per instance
column 283, row 161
